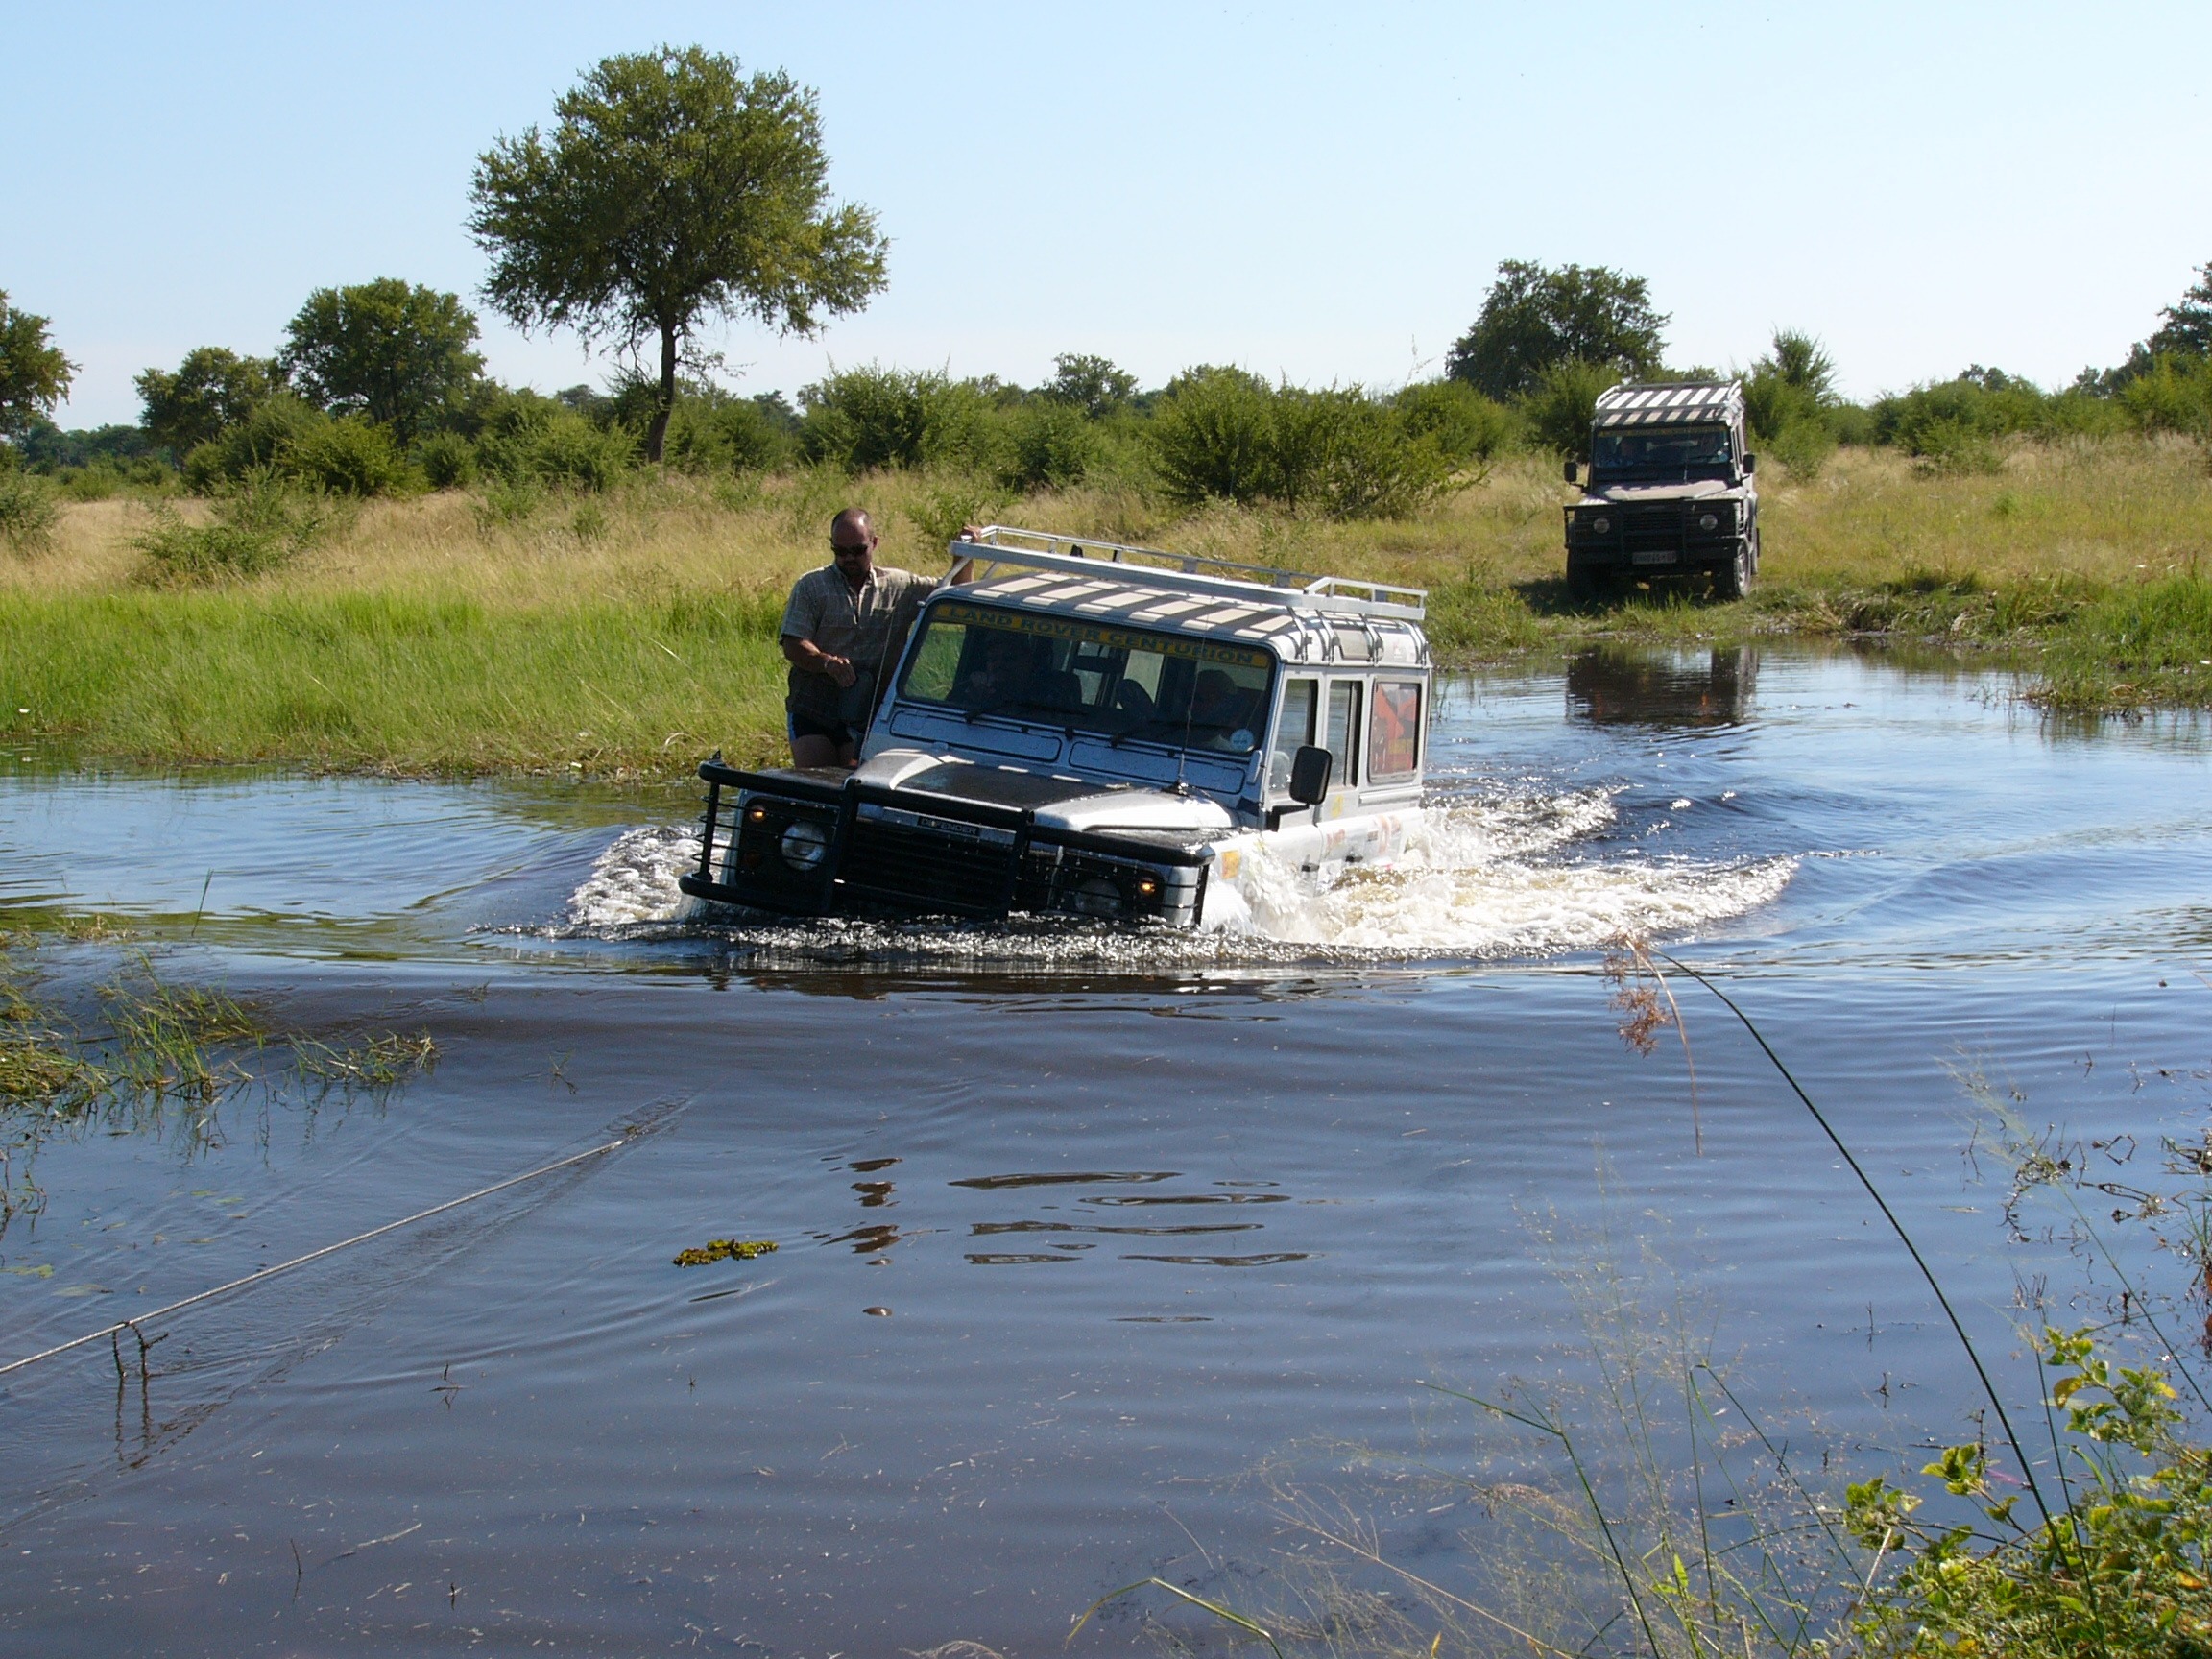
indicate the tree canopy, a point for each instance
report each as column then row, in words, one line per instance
column 1092, row 384
column 2188, row 329
column 1535, row 318
column 396, row 353
column 33, row 375
column 672, row 189
column 211, row 390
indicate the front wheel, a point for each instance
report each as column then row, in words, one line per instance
column 1733, row 580
column 1587, row 582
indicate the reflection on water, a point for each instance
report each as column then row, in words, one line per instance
column 1284, row 1180
column 1612, row 686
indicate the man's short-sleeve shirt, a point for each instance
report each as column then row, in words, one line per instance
column 867, row 626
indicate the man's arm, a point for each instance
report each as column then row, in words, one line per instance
column 809, row 658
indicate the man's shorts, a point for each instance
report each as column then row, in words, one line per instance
column 806, row 726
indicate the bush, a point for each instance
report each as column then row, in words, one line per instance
column 448, row 461
column 28, row 509
column 528, row 440
column 256, row 442
column 261, row 524
column 1559, row 411
column 1050, row 443
column 349, row 456
column 1803, row 446
column 2120, row 1570
column 1226, row 435
column 1966, row 415
column 714, row 432
column 101, row 481
column 1953, row 446
column 862, row 418
column 1464, row 425
column 573, row 451
column 2175, row 395
column 1213, row 436
column 1359, row 462
column 288, row 437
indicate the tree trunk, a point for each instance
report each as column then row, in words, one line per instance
column 665, row 405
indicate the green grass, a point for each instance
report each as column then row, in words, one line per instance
column 393, row 682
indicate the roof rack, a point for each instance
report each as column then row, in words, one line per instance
column 1041, row 550
column 1669, row 402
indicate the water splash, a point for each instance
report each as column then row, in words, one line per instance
column 1497, row 876
column 634, row 881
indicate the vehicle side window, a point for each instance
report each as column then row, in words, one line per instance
column 1394, row 730
column 1294, row 729
column 1343, row 738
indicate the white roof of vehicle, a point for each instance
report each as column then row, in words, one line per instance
column 1321, row 619
column 1671, row 403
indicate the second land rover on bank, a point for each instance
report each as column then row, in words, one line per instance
column 1669, row 491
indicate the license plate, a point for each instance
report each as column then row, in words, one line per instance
column 1655, row 556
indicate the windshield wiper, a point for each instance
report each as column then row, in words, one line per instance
column 1045, row 713
column 1128, row 732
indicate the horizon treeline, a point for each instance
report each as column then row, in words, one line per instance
column 378, row 390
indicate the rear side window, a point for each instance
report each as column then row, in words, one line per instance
column 1344, row 733
column 1394, row 730
column 1294, row 729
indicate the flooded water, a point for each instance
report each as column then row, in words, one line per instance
column 1076, row 1231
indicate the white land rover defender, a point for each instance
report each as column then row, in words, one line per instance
column 1670, row 490
column 1078, row 727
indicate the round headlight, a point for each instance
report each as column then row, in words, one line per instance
column 804, row 844
column 1601, row 526
column 1708, row 522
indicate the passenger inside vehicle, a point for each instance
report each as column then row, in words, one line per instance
column 1220, row 708
column 1001, row 674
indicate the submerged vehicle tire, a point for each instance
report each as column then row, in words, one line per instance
column 1733, row 580
column 1588, row 581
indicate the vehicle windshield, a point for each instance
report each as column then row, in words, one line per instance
column 1122, row 682
column 1671, row 449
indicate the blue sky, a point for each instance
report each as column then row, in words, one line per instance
column 1322, row 192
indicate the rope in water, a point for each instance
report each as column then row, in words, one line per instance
column 311, row 1256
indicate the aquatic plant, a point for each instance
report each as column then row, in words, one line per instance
column 157, row 1046
column 724, row 1250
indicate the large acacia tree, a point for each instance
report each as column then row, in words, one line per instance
column 1535, row 318
column 672, row 189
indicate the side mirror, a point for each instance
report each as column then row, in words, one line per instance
column 1309, row 770
column 1574, row 474
column 1750, row 465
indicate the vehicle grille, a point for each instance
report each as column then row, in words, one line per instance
column 900, row 859
column 1659, row 526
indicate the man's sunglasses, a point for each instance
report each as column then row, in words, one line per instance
column 840, row 549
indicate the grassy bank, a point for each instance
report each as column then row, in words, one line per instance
column 627, row 633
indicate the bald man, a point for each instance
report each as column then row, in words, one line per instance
column 843, row 630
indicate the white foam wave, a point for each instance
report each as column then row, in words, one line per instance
column 634, row 879
column 1487, row 878
column 1482, row 878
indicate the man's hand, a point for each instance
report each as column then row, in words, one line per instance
column 805, row 654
